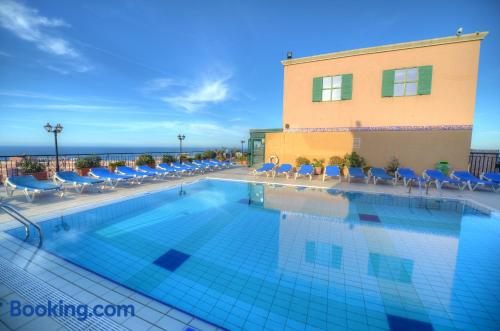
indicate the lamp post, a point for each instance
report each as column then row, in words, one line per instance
column 181, row 137
column 56, row 130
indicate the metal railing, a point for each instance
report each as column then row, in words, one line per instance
column 9, row 164
column 480, row 162
column 9, row 210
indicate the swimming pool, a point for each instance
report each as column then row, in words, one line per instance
column 254, row 256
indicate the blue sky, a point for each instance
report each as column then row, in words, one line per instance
column 136, row 73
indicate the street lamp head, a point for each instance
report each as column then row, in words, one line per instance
column 181, row 137
column 48, row 127
column 58, row 128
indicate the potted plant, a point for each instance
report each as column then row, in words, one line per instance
column 353, row 160
column 392, row 166
column 184, row 158
column 167, row 158
column 145, row 159
column 112, row 165
column 83, row 164
column 337, row 161
column 30, row 166
column 301, row 160
column 318, row 166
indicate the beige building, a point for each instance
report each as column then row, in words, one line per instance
column 413, row 101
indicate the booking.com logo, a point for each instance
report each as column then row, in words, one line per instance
column 61, row 309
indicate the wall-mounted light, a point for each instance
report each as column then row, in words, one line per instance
column 287, row 126
column 289, row 55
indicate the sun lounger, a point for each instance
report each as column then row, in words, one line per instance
column 168, row 168
column 151, row 171
column 30, row 186
column 305, row 170
column 78, row 182
column 439, row 179
column 138, row 175
column 285, row 169
column 472, row 181
column 265, row 169
column 379, row 174
column 356, row 173
column 491, row 176
column 111, row 178
column 332, row 171
column 408, row 175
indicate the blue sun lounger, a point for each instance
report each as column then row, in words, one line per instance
column 265, row 169
column 150, row 171
column 356, row 173
column 305, row 170
column 203, row 165
column 79, row 182
column 408, row 175
column 491, row 176
column 111, row 178
column 332, row 171
column 472, row 181
column 285, row 168
column 439, row 179
column 168, row 168
column 138, row 175
column 30, row 186
column 379, row 174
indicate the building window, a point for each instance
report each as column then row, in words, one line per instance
column 405, row 82
column 332, row 86
column 408, row 81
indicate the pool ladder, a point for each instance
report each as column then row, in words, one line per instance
column 23, row 220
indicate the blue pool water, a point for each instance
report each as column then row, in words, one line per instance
column 252, row 256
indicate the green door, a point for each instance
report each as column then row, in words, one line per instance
column 256, row 151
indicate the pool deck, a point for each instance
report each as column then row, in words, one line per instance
column 23, row 267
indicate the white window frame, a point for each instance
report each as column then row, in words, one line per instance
column 405, row 82
column 332, row 88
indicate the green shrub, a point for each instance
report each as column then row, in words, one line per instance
column 318, row 163
column 29, row 165
column 92, row 161
column 354, row 160
column 198, row 156
column 392, row 166
column 145, row 159
column 336, row 160
column 116, row 164
column 209, row 154
column 167, row 158
column 301, row 160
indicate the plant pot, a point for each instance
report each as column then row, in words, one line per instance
column 83, row 171
column 153, row 165
column 344, row 171
column 40, row 175
column 318, row 170
column 111, row 168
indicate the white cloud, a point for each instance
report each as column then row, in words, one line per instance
column 159, row 84
column 199, row 96
column 27, row 24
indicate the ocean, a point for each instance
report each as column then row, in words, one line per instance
column 49, row 150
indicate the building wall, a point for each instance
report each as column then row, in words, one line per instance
column 451, row 102
column 416, row 149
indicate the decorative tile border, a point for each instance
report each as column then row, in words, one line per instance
column 384, row 128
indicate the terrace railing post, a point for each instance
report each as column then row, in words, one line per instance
column 57, row 151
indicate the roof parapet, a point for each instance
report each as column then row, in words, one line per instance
column 387, row 48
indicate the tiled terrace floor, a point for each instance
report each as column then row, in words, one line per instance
column 29, row 275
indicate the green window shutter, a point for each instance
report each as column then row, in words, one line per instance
column 388, row 83
column 317, row 89
column 424, row 80
column 346, row 90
